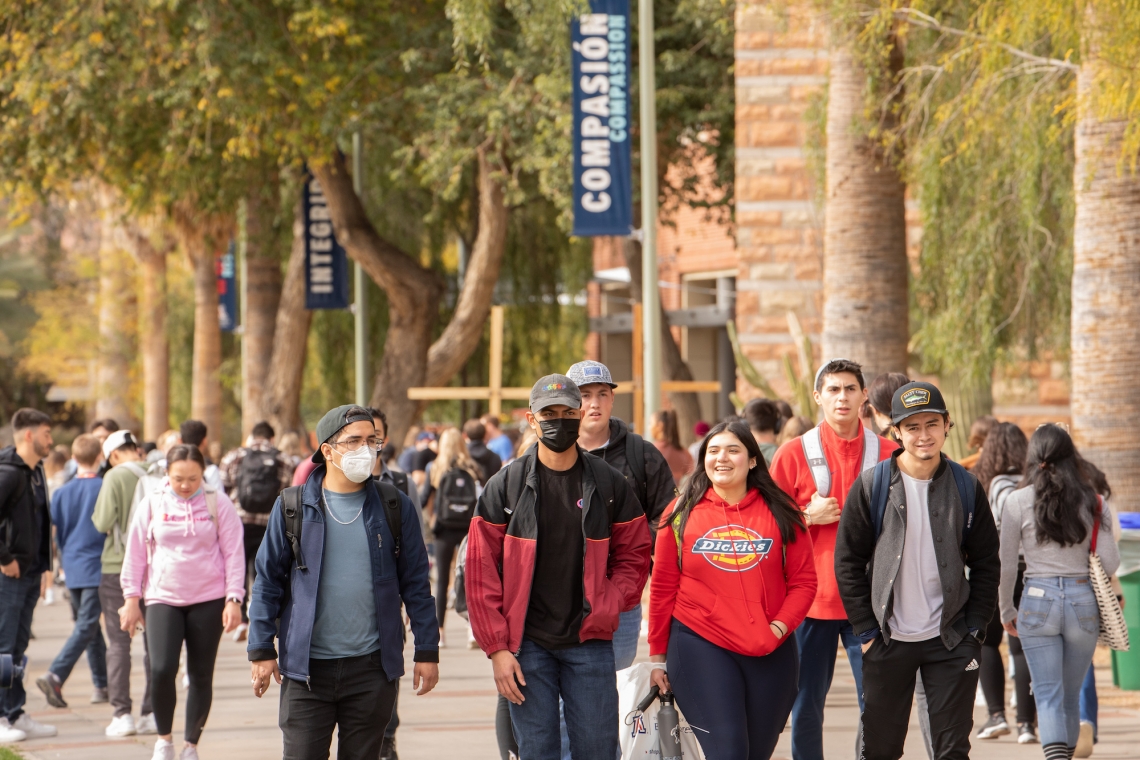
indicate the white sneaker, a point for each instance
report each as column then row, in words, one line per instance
column 124, row 725
column 33, row 729
column 163, row 750
column 9, row 735
column 189, row 752
column 146, row 725
column 1084, row 741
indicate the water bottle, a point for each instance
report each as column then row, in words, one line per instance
column 668, row 733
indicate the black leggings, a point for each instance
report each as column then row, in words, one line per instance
column 446, row 542
column 200, row 626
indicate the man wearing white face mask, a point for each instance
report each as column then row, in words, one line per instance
column 340, row 554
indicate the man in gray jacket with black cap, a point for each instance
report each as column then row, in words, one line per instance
column 909, row 529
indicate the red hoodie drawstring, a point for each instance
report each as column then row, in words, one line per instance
column 732, row 541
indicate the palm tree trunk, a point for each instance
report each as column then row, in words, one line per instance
column 1105, row 309
column 263, row 294
column 281, row 398
column 865, row 266
column 115, row 301
column 154, row 343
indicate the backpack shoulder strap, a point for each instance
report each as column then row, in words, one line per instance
column 880, row 490
column 635, row 456
column 871, row 450
column 292, row 511
column 603, row 479
column 390, row 497
column 212, row 504
column 965, row 495
column 816, row 461
column 516, row 481
column 401, row 481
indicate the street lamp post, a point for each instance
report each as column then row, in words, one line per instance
column 650, row 299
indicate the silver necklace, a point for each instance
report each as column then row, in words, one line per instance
column 333, row 515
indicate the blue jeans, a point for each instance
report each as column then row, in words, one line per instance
column 583, row 676
column 85, row 636
column 625, row 652
column 1058, row 623
column 17, row 602
column 816, row 641
column 1089, row 703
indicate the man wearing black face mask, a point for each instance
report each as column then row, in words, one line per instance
column 558, row 547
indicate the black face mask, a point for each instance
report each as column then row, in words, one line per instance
column 560, row 434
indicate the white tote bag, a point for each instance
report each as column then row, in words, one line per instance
column 1113, row 630
column 638, row 731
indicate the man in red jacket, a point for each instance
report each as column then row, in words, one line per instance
column 817, row 470
column 558, row 548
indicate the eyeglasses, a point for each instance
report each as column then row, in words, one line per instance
column 354, row 443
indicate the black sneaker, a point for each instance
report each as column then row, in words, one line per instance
column 388, row 748
column 52, row 688
column 1026, row 733
column 994, row 727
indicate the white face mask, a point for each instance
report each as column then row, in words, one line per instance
column 357, row 465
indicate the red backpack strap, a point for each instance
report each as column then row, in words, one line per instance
column 1096, row 524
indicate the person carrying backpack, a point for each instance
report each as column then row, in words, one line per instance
column 253, row 475
column 733, row 576
column 450, row 492
column 910, row 527
column 184, row 554
column 340, row 555
column 558, row 548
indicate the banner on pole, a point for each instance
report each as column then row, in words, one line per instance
column 227, row 290
column 603, row 190
column 326, row 264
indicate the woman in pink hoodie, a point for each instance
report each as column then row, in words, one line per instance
column 185, row 556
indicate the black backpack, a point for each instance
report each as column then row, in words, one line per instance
column 258, row 481
column 292, row 510
column 455, row 499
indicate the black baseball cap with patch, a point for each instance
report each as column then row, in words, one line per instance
column 916, row 398
column 334, row 420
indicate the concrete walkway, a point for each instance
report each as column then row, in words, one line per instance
column 455, row 720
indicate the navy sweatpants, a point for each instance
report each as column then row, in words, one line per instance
column 736, row 705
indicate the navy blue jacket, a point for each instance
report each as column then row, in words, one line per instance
column 404, row 579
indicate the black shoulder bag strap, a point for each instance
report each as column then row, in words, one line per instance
column 635, row 456
column 292, row 510
column 390, row 496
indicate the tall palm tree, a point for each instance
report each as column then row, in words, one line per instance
column 1106, row 310
column 865, row 299
column 262, row 294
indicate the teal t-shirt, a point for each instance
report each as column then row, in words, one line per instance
column 346, row 624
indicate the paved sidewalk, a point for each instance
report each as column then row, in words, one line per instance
column 457, row 719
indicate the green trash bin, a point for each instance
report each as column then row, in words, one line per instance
column 1126, row 665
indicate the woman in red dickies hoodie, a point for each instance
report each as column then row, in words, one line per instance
column 721, row 609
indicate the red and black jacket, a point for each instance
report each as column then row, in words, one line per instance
column 502, row 542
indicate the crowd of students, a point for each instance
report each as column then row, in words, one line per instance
column 772, row 543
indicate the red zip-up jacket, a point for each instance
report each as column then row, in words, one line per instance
column 502, row 543
column 734, row 577
column 790, row 470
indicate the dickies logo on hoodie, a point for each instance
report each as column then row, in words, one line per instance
column 732, row 547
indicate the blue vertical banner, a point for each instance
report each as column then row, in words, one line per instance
column 603, row 189
column 227, row 290
column 326, row 264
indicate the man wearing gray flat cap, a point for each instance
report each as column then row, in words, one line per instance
column 558, row 547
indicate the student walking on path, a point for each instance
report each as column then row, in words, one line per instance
column 910, row 528
column 112, row 516
column 1055, row 521
column 331, row 598
column 733, row 577
column 1000, row 469
column 450, row 492
column 80, row 550
column 184, row 554
column 25, row 558
column 558, row 548
column 817, row 470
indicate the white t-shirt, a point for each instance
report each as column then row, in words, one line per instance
column 916, row 614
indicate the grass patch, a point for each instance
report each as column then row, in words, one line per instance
column 9, row 754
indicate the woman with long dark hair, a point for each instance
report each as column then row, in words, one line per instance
column 1052, row 522
column 734, row 576
column 1000, row 469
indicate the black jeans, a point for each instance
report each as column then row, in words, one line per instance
column 951, row 682
column 200, row 626
column 446, row 542
column 253, row 535
column 351, row 693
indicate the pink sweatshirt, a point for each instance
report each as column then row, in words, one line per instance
column 191, row 559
